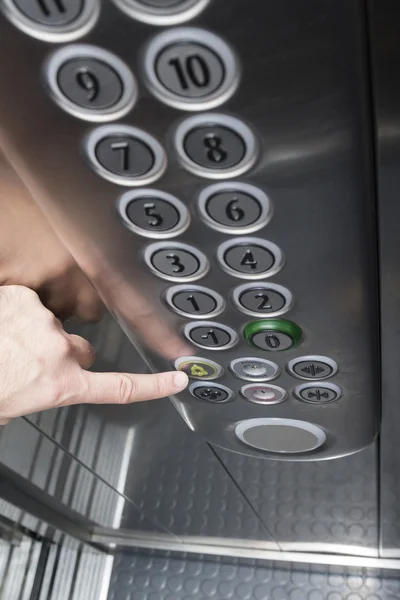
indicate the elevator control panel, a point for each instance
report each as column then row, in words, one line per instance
column 170, row 128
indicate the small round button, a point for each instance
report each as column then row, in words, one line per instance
column 281, row 436
column 215, row 393
column 52, row 20
column 234, row 207
column 313, row 393
column 162, row 12
column 176, row 261
column 272, row 335
column 312, row 367
column 262, row 393
column 210, row 335
column 125, row 155
column 214, row 145
column 153, row 213
column 249, row 258
column 90, row 83
column 254, row 369
column 190, row 68
column 263, row 299
column 194, row 301
column 196, row 367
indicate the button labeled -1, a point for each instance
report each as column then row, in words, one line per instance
column 210, row 335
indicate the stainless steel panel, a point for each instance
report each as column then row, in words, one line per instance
column 385, row 61
column 303, row 90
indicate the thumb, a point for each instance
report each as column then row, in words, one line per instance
column 123, row 388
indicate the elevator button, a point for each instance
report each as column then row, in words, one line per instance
column 162, row 12
column 194, row 301
column 263, row 393
column 175, row 261
column 254, row 369
column 273, row 335
column 313, row 393
column 281, row 436
column 213, row 145
column 90, row 83
column 190, row 68
column 262, row 299
column 196, row 367
column 61, row 12
column 249, row 258
column 207, row 334
column 312, row 367
column 214, row 393
column 153, row 213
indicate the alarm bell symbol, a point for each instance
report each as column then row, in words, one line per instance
column 198, row 371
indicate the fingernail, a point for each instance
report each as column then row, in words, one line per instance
column 181, row 380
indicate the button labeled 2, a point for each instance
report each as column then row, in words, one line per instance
column 210, row 335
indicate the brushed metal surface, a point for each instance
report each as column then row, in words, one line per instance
column 304, row 92
column 385, row 61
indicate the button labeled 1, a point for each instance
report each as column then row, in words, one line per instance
column 194, row 301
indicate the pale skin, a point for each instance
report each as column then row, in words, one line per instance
column 41, row 365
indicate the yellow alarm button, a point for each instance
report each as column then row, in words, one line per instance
column 198, row 368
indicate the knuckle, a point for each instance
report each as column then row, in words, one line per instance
column 160, row 387
column 127, row 389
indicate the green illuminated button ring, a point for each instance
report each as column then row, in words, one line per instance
column 273, row 335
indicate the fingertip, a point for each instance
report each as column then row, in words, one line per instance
column 181, row 380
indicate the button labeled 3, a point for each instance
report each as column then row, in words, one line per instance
column 196, row 367
column 175, row 261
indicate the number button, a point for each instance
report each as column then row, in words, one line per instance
column 190, row 68
column 125, row 155
column 234, row 207
column 153, row 213
column 194, row 301
column 264, row 299
column 176, row 262
column 212, row 145
column 211, row 335
column 52, row 20
column 272, row 335
column 90, row 83
column 250, row 258
column 162, row 12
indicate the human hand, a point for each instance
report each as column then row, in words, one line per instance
column 43, row 367
column 32, row 255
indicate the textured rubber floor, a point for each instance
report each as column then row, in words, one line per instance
column 136, row 577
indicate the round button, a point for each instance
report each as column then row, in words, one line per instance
column 312, row 367
column 254, row 369
column 125, row 155
column 261, row 393
column 281, row 436
column 162, row 12
column 90, row 83
column 213, row 145
column 50, row 12
column 210, row 335
column 152, row 213
column 196, row 367
column 215, row 393
column 176, row 261
column 234, row 207
column 194, row 301
column 250, row 258
column 52, row 20
column 272, row 335
column 318, row 394
column 190, row 68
